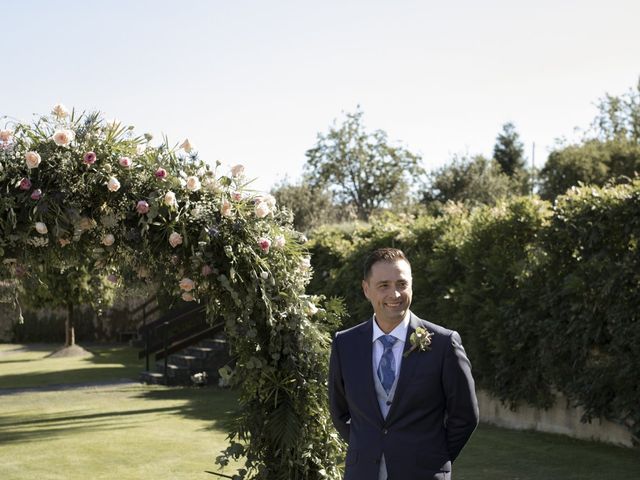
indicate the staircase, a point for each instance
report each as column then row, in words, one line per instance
column 183, row 343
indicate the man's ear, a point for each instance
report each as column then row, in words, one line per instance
column 365, row 288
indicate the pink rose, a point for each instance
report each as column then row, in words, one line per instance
column 36, row 194
column 25, row 184
column 142, row 207
column 113, row 184
column 108, row 240
column 175, row 239
column 161, row 173
column 206, row 270
column 60, row 111
column 112, row 278
column 89, row 158
column 124, row 162
column 193, row 183
column 264, row 244
column 237, row 196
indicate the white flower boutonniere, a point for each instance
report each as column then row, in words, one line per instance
column 420, row 339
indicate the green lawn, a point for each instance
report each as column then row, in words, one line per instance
column 133, row 432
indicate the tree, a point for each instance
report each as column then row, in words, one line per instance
column 360, row 168
column 473, row 181
column 508, row 151
column 311, row 206
column 610, row 151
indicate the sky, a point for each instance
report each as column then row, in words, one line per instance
column 254, row 82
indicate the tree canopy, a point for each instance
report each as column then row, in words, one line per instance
column 361, row 168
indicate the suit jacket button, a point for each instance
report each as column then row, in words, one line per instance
column 385, row 431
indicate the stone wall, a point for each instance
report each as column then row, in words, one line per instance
column 561, row 418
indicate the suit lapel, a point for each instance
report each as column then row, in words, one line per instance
column 366, row 357
column 407, row 367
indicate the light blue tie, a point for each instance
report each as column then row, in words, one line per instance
column 387, row 365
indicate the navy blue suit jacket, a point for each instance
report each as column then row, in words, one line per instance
column 433, row 414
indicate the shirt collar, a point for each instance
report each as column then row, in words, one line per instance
column 400, row 332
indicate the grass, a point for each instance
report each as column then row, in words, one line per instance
column 22, row 366
column 132, row 432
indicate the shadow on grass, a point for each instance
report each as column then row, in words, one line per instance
column 213, row 405
column 56, row 425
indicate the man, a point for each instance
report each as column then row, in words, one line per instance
column 401, row 392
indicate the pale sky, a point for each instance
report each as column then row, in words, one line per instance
column 253, row 82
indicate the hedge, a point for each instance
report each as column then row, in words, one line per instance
column 546, row 297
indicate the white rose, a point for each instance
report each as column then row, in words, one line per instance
column 32, row 159
column 60, row 111
column 41, row 228
column 63, row 137
column 113, row 184
column 175, row 239
column 193, row 184
column 186, row 146
column 170, row 199
column 108, row 240
column 279, row 241
column 237, row 170
column 264, row 275
column 187, row 284
column 261, row 209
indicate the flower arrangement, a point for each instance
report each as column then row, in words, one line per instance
column 80, row 194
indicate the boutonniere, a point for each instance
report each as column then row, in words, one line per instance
column 419, row 339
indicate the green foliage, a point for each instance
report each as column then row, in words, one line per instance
column 360, row 168
column 594, row 162
column 473, row 181
column 508, row 151
column 546, row 299
column 310, row 206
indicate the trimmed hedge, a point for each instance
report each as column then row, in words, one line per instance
column 546, row 297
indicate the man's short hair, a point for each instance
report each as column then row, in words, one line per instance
column 386, row 254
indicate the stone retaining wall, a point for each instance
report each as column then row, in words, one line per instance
column 559, row 419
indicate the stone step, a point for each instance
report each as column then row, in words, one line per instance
column 153, row 378
column 214, row 343
column 189, row 361
column 200, row 352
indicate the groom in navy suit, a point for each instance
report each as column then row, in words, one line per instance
column 401, row 392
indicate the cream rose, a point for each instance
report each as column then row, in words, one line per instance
column 193, row 183
column 187, row 297
column 237, row 170
column 6, row 135
column 186, row 146
column 113, row 184
column 225, row 210
column 187, row 284
column 41, row 228
column 64, row 137
column 108, row 240
column 170, row 199
column 175, row 239
column 60, row 111
column 32, row 159
column 262, row 209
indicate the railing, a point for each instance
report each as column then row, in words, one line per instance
column 174, row 331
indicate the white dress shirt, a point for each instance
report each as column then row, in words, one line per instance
column 400, row 333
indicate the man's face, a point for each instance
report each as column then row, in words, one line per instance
column 388, row 288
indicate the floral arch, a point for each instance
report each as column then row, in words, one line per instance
column 78, row 192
